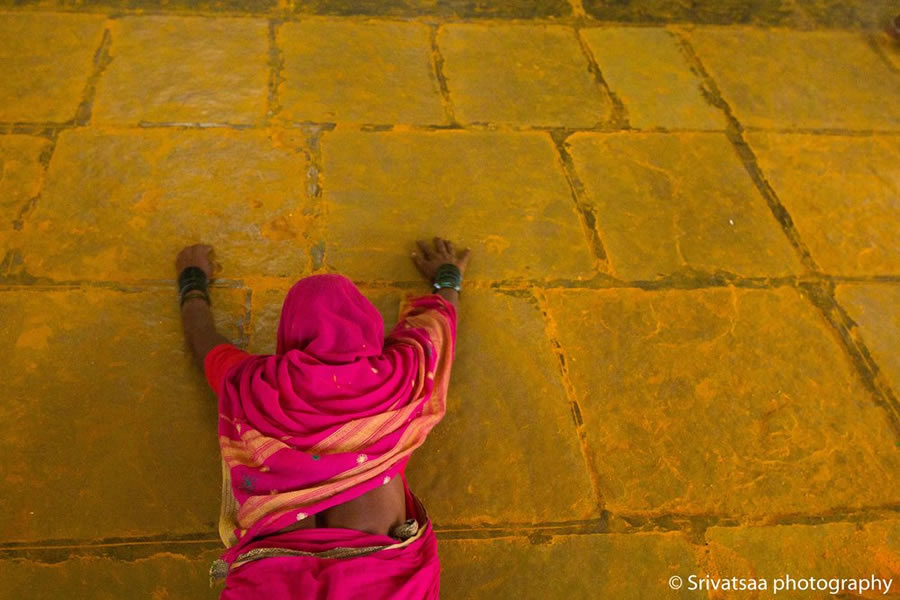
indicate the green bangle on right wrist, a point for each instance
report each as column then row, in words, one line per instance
column 448, row 276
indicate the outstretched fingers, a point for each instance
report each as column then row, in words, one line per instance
column 443, row 250
column 418, row 261
column 423, row 248
column 464, row 259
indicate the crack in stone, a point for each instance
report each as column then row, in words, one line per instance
column 437, row 70
column 276, row 66
column 550, row 332
column 679, row 234
column 102, row 59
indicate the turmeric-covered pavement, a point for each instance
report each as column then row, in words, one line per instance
column 679, row 334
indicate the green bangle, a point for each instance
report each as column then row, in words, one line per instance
column 193, row 279
column 448, row 276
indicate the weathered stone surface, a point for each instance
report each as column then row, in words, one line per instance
column 47, row 60
column 646, row 70
column 21, row 176
column 764, row 12
column 736, row 406
column 821, row 13
column 502, row 194
column 520, row 75
column 166, row 575
column 844, row 14
column 827, row 551
column 782, row 79
column 841, row 193
column 207, row 7
column 579, row 567
column 518, row 9
column 373, row 72
column 120, row 205
column 874, row 308
column 722, row 401
column 106, row 426
column 508, row 424
column 164, row 69
column 668, row 202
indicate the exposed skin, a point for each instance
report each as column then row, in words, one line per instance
column 378, row 510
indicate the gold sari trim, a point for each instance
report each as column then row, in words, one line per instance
column 220, row 569
column 340, row 552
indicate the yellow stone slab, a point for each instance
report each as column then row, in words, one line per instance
column 664, row 202
column 792, row 79
column 646, row 69
column 440, row 9
column 841, row 193
column 635, row 566
column 722, row 401
column 508, row 424
column 828, row 551
column 867, row 15
column 120, row 205
column 163, row 575
column 874, row 308
column 185, row 70
column 47, row 60
column 360, row 72
column 107, row 428
column 639, row 12
column 502, row 194
column 520, row 75
column 21, row 176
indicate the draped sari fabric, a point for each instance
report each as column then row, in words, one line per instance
column 336, row 412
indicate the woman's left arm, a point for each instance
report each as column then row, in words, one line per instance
column 196, row 316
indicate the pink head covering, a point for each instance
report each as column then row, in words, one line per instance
column 327, row 318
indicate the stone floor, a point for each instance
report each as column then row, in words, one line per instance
column 680, row 341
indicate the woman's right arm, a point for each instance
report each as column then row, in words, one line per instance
column 450, row 295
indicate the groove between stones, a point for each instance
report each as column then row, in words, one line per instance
column 821, row 294
column 276, row 66
column 572, row 395
column 619, row 117
column 102, row 59
column 579, row 196
column 602, row 281
column 608, row 523
column 437, row 66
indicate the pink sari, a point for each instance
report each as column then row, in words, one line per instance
column 335, row 413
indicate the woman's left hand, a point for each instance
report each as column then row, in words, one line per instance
column 198, row 255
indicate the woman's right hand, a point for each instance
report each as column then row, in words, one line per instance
column 429, row 259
